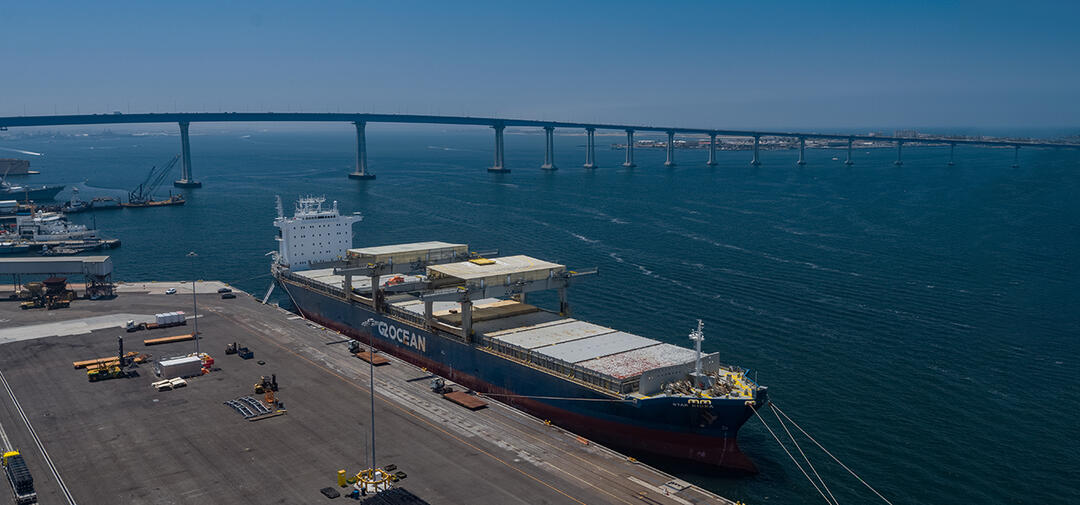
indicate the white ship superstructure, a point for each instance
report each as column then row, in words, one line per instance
column 51, row 226
column 313, row 235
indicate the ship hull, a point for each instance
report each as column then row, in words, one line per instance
column 41, row 194
column 665, row 426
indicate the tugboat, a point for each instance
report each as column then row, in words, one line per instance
column 75, row 204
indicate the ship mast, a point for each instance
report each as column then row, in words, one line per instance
column 697, row 336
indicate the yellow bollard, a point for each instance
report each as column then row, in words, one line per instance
column 341, row 478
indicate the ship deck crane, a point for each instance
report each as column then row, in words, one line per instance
column 145, row 191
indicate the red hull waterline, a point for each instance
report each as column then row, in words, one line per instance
column 717, row 451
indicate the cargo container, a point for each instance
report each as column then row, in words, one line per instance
column 186, row 366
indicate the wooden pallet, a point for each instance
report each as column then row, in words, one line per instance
column 373, row 359
column 465, row 400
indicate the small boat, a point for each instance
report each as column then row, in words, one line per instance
column 75, row 204
column 59, row 251
column 14, row 247
column 105, row 202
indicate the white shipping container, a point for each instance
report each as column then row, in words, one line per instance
column 162, row 318
column 179, row 316
column 187, row 366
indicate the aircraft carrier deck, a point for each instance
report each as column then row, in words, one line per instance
column 121, row 441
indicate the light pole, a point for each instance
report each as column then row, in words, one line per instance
column 194, row 300
column 369, row 324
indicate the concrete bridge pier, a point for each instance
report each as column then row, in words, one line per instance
column 629, row 163
column 670, row 149
column 802, row 151
column 952, row 152
column 899, row 153
column 712, row 150
column 498, row 165
column 849, row 161
column 1016, row 157
column 186, row 180
column 590, row 147
column 757, row 141
column 360, row 172
column 549, row 149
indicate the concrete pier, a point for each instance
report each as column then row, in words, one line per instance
column 756, row 161
column 498, row 166
column 849, row 161
column 712, row 150
column 360, row 172
column 899, row 153
column 952, row 152
column 802, row 152
column 670, row 149
column 1016, row 157
column 186, row 181
column 629, row 163
column 590, row 148
column 549, row 149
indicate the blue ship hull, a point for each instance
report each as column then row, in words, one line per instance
column 675, row 427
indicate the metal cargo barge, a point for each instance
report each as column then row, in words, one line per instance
column 466, row 317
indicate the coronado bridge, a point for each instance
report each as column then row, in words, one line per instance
column 360, row 120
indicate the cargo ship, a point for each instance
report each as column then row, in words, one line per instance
column 465, row 316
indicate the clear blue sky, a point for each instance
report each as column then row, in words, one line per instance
column 716, row 64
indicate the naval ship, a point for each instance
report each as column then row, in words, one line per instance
column 464, row 316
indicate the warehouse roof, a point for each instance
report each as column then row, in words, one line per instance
column 88, row 265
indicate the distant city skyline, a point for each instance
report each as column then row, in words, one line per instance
column 783, row 66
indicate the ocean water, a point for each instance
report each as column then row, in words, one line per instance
column 921, row 322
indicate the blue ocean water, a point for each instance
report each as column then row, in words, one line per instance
column 920, row 321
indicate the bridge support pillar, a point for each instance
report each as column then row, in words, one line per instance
column 952, row 152
column 564, row 304
column 186, row 181
column 590, row 148
column 802, row 151
column 757, row 141
column 670, row 149
column 712, row 150
column 899, row 153
column 498, row 166
column 549, row 149
column 629, row 163
column 360, row 172
column 849, row 161
column 1016, row 157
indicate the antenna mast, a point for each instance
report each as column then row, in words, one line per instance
column 697, row 336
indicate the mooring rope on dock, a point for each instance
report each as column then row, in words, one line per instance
column 793, row 460
column 826, row 451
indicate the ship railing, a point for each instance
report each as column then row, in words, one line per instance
column 406, row 315
column 318, row 286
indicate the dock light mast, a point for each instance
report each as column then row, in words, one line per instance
column 697, row 336
column 194, row 300
column 378, row 480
